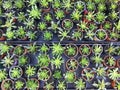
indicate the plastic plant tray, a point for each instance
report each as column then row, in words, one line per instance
column 56, row 39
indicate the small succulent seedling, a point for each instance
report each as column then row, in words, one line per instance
column 57, row 49
column 43, row 60
column 57, row 61
column 61, row 85
column 101, row 84
column 59, row 14
column 80, row 84
column 57, row 74
column 34, row 13
column 30, row 71
column 70, row 77
column 3, row 74
column 32, row 84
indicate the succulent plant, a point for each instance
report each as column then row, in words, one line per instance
column 97, row 59
column 113, row 74
column 48, row 17
column 84, row 61
column 42, row 26
column 77, row 35
column 101, row 7
column 70, row 77
column 15, row 72
column 7, row 5
column 63, row 34
column 19, row 84
column 57, row 74
column 80, row 84
column 32, row 48
column 8, row 84
column 57, row 61
column 23, row 60
column 4, row 48
column 47, row 35
column 79, row 5
column 101, row 84
column 30, row 71
column 8, row 60
column 43, row 74
column 34, row 13
column 43, row 60
column 32, row 84
column 44, row 48
column 56, row 4
column 57, row 49
column 88, row 74
column 61, row 85
column 59, row 14
column 3, row 75
column 55, row 26
column 90, row 6
column 49, row 86
column 19, row 4
column 44, row 3
column 67, row 5
column 76, row 15
column 83, row 26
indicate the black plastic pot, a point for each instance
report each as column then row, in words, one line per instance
column 73, row 46
column 20, row 70
column 21, row 80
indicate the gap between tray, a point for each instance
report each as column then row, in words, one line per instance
column 63, row 43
